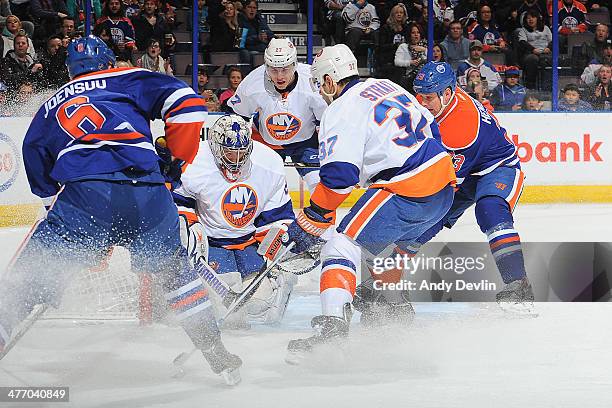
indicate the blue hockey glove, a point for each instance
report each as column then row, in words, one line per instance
column 308, row 227
column 170, row 168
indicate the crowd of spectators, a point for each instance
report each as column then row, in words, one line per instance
column 500, row 49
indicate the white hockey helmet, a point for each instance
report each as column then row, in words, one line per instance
column 337, row 61
column 280, row 53
column 231, row 145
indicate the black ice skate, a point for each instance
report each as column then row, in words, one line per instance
column 380, row 308
column 328, row 329
column 223, row 362
column 517, row 296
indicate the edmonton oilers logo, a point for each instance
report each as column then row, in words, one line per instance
column 239, row 205
column 10, row 157
column 283, row 125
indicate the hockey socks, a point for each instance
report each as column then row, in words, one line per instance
column 495, row 220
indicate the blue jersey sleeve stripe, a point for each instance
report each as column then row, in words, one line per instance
column 339, row 175
column 176, row 97
column 284, row 212
column 183, row 201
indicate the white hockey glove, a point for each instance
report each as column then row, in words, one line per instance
column 193, row 239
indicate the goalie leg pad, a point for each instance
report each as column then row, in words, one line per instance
column 269, row 302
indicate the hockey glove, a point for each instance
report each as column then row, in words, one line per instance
column 308, row 227
column 171, row 168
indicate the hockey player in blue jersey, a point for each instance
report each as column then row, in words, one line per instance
column 488, row 172
column 90, row 156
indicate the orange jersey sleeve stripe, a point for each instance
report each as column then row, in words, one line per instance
column 183, row 139
column 192, row 218
column 327, row 198
column 364, row 215
column 518, row 192
column 339, row 279
column 186, row 104
column 425, row 183
column 184, row 302
column 112, row 136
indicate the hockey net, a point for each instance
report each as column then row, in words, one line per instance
column 110, row 291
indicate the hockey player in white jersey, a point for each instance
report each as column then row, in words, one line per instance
column 286, row 110
column 231, row 195
column 376, row 135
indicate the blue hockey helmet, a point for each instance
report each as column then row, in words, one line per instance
column 435, row 77
column 88, row 54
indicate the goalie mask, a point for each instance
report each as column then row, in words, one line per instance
column 231, row 145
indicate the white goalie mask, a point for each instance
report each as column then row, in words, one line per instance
column 231, row 145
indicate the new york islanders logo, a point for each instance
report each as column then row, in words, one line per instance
column 283, row 125
column 239, row 205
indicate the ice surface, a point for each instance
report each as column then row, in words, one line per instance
column 456, row 355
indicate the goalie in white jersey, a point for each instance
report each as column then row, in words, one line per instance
column 230, row 196
column 286, row 110
column 376, row 135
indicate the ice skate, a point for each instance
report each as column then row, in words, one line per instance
column 328, row 330
column 517, row 297
column 224, row 363
column 380, row 308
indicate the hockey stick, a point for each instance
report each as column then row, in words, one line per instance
column 180, row 360
column 23, row 329
column 302, row 165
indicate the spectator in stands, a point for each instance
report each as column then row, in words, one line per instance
column 19, row 66
column 509, row 96
column 132, row 8
column 589, row 74
column 12, row 28
column 411, row 55
column 475, row 60
column 203, row 88
column 443, row 11
column 204, row 19
column 456, row 46
column 532, row 103
column 256, row 32
column 438, row 53
column 392, row 34
column 24, row 103
column 53, row 60
column 67, row 27
column 46, row 16
column 152, row 60
column 600, row 94
column 465, row 11
column 149, row 24
column 518, row 18
column 234, row 78
column 361, row 23
column 535, row 44
column 594, row 50
column 572, row 17
column 334, row 21
column 226, row 33
column 120, row 27
column 169, row 47
column 422, row 20
column 477, row 89
column 5, row 11
column 104, row 33
column 212, row 103
column 76, row 12
column 571, row 102
column 486, row 31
